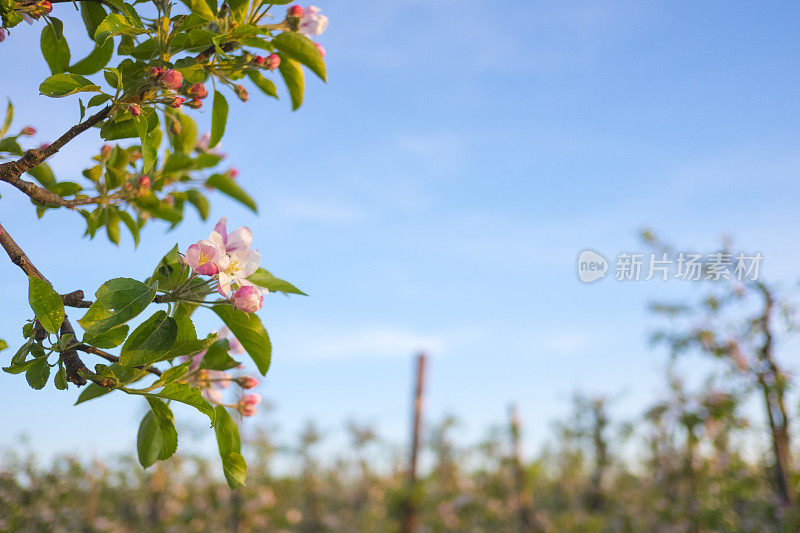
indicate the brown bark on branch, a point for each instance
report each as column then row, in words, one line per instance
column 12, row 171
column 72, row 362
column 113, row 358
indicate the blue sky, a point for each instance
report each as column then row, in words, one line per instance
column 436, row 192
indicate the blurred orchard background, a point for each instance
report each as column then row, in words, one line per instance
column 434, row 197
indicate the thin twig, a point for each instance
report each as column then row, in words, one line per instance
column 113, row 358
column 72, row 362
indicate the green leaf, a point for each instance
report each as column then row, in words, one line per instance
column 173, row 373
column 247, row 327
column 44, row 175
column 112, row 224
column 230, row 448
column 93, row 14
column 263, row 278
column 149, row 440
column 218, row 358
column 150, row 143
column 150, row 342
column 186, row 341
column 201, row 8
column 186, row 139
column 169, row 436
column 117, row 301
column 107, row 339
column 133, row 227
column 92, row 391
column 115, row 24
column 185, row 393
column 300, row 48
column 227, row 185
column 54, row 46
column 46, row 304
column 266, row 85
column 9, row 118
column 60, row 381
column 95, row 61
column 157, row 437
column 38, row 373
column 199, row 201
column 219, row 117
column 295, row 80
column 59, row 85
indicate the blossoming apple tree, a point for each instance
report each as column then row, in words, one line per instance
column 152, row 66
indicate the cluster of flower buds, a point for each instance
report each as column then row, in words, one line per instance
column 229, row 259
column 270, row 62
column 43, row 7
column 247, row 404
column 241, row 92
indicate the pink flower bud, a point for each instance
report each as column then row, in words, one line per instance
column 135, row 110
column 105, row 150
column 156, row 72
column 321, row 49
column 248, row 299
column 248, row 382
column 241, row 92
column 251, row 399
column 194, row 103
column 144, row 182
column 28, row 130
column 44, row 146
column 176, row 103
column 295, row 11
column 273, row 61
column 172, row 79
column 198, row 90
column 247, row 410
column 3, row 33
column 233, row 172
column 259, row 60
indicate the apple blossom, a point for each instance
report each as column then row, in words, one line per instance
column 312, row 22
column 235, row 268
column 203, row 257
column 259, row 60
column 295, row 11
column 28, row 130
column 247, row 410
column 238, row 239
column 212, row 395
column 250, row 399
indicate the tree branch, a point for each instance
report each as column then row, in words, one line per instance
column 12, row 171
column 113, row 358
column 72, row 362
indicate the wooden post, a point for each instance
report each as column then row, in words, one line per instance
column 522, row 497
column 409, row 518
